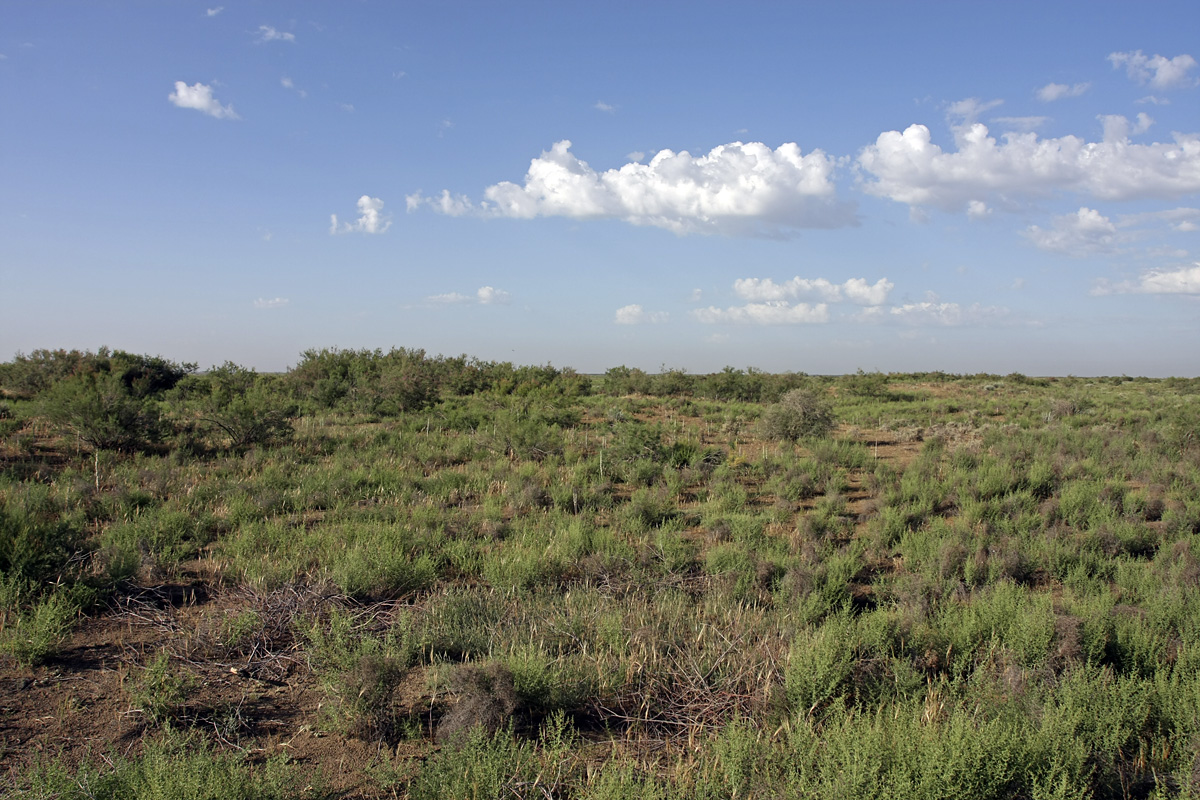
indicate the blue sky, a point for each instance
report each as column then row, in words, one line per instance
column 791, row 186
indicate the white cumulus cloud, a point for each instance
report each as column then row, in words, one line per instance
column 734, row 189
column 854, row 290
column 1057, row 91
column 1159, row 71
column 774, row 312
column 489, row 296
column 1085, row 232
column 909, row 168
column 200, row 97
column 268, row 34
column 1158, row 281
column 370, row 218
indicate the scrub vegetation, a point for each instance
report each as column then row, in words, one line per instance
column 394, row 575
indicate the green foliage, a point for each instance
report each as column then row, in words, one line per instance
column 176, row 766
column 245, row 407
column 160, row 691
column 799, row 414
column 39, row 633
column 480, row 766
column 360, row 670
column 101, row 411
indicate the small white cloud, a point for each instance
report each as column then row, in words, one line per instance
column 854, row 290
column 977, row 209
column 1159, row 71
column 777, row 312
column 1152, row 100
column 370, row 219
column 735, row 189
column 605, row 107
column 634, row 314
column 1157, row 281
column 636, row 155
column 1085, row 232
column 965, row 112
column 491, row 296
column 695, row 296
column 1057, row 91
column 286, row 82
column 200, row 97
column 347, row 107
column 277, row 302
column 268, row 34
column 212, row 12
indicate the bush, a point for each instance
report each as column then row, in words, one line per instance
column 101, row 412
column 799, row 414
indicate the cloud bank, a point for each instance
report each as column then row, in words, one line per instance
column 198, row 96
column 908, row 168
column 735, row 189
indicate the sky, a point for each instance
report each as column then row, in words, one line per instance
column 816, row 187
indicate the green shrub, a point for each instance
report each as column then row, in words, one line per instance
column 39, row 632
column 799, row 414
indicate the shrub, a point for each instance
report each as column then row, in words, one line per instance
column 101, row 412
column 799, row 414
column 40, row 632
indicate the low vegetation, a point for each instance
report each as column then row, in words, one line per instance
column 395, row 575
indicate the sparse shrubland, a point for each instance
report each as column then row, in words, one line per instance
column 395, row 575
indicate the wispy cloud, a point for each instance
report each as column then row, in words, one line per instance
column 605, row 107
column 212, row 12
column 777, row 312
column 484, row 296
column 635, row 314
column 1158, row 71
column 936, row 314
column 198, row 96
column 288, row 83
column 277, row 302
column 854, row 290
column 1185, row 280
column 370, row 218
column 1057, row 91
column 1086, row 232
column 734, row 189
column 268, row 34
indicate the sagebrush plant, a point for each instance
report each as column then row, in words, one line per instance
column 799, row 414
column 39, row 632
